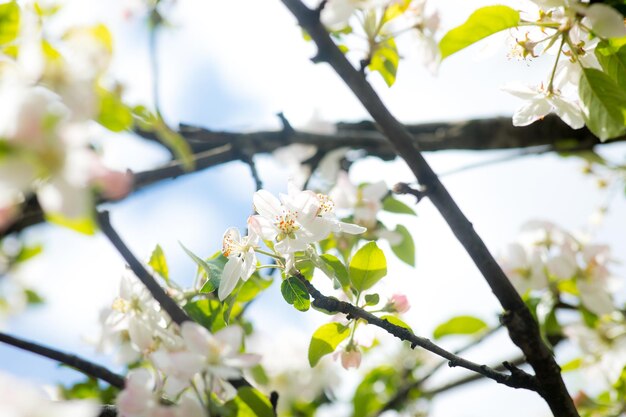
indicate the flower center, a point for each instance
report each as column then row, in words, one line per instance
column 286, row 223
column 326, row 204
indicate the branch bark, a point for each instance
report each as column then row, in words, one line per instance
column 516, row 379
column 83, row 365
column 523, row 329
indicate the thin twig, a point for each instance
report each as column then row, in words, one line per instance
column 167, row 303
column 523, row 329
column 518, row 361
column 517, row 380
column 83, row 365
column 403, row 393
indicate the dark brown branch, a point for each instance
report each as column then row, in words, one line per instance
column 83, row 365
column 167, row 303
column 514, row 380
column 108, row 411
column 523, row 329
column 403, row 393
column 520, row 360
column 212, row 148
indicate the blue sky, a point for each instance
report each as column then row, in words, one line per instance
column 234, row 65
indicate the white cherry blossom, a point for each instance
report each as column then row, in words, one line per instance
column 20, row 399
column 241, row 262
column 539, row 102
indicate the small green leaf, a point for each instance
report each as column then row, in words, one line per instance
column 405, row 250
column 605, row 104
column 395, row 9
column 295, row 293
column 84, row 225
column 613, row 61
column 158, row 263
column 482, row 23
column 253, row 286
column 460, row 325
column 395, row 320
column 213, row 271
column 207, row 313
column 385, row 61
column 251, row 403
column 325, row 340
column 572, row 365
column 9, row 22
column 113, row 113
column 367, row 267
column 28, row 252
column 393, row 205
column 33, row 298
column 338, row 268
column 372, row 299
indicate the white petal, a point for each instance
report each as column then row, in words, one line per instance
column 531, row 111
column 569, row 112
column 352, row 229
column 231, row 336
column 375, row 191
column 595, row 298
column 197, row 338
column 59, row 197
column 230, row 276
column 606, row 21
column 520, row 90
column 266, row 204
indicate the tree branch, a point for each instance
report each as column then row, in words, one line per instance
column 83, row 365
column 522, row 327
column 169, row 305
column 518, row 361
column 515, row 380
column 403, row 393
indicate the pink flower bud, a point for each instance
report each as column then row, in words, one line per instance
column 351, row 358
column 400, row 303
column 114, row 185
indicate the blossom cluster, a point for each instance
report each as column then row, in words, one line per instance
column 554, row 268
column 18, row 399
column 548, row 257
column 571, row 30
column 52, row 89
column 179, row 361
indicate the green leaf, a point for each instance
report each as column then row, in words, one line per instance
column 395, row 9
column 252, row 403
column 9, row 22
column 375, row 390
column 393, row 205
column 482, row 23
column 605, row 104
column 325, row 340
column 572, row 365
column 372, row 299
column 252, row 287
column 158, row 263
column 28, row 252
column 385, row 61
column 460, row 325
column 613, row 61
column 339, row 269
column 84, row 225
column 213, row 270
column 295, row 293
column 33, row 298
column 367, row 267
column 207, row 313
column 150, row 122
column 113, row 113
column 395, row 320
column 405, row 250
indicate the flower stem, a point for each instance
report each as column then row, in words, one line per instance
column 556, row 62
